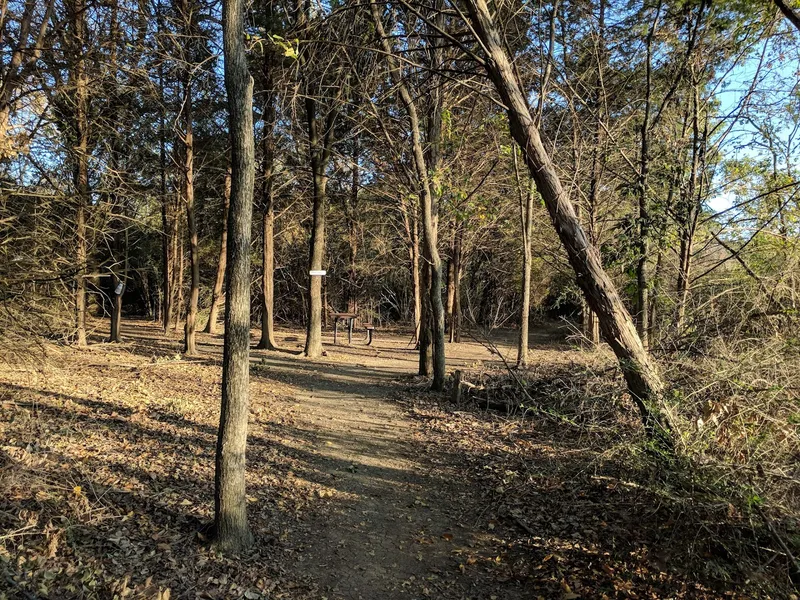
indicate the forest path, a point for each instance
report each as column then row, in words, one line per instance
column 361, row 483
column 399, row 526
column 356, row 482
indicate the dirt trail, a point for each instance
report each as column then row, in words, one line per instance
column 401, row 527
column 353, row 494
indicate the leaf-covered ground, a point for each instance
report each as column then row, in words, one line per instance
column 361, row 483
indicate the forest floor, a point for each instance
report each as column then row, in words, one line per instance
column 362, row 484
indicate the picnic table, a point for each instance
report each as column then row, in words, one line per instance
column 350, row 318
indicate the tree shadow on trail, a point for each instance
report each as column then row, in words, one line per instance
column 156, row 465
column 467, row 504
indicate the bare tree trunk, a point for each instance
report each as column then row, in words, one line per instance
column 591, row 329
column 320, row 146
column 190, row 347
column 116, row 309
column 527, row 257
column 267, row 341
column 166, row 226
column 232, row 532
column 267, row 278
column 190, row 328
column 641, row 374
column 688, row 213
column 425, row 321
column 80, row 81
column 351, row 213
column 80, row 255
column 458, row 268
column 643, row 220
column 428, row 214
column 313, row 347
column 526, row 227
column 416, row 284
column 178, row 267
column 119, row 284
column 216, row 295
column 643, row 250
column 411, row 224
column 450, row 287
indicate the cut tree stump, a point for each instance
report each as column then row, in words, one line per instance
column 459, row 385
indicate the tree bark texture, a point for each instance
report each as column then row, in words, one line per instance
column 425, row 324
column 313, row 347
column 232, row 532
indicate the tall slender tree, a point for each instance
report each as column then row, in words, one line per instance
column 79, row 83
column 429, row 226
column 217, row 292
column 231, row 529
column 188, row 11
column 269, row 116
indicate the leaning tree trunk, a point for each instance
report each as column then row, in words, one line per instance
column 216, row 295
column 642, row 377
column 232, row 532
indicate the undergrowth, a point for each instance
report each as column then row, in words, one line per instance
column 724, row 510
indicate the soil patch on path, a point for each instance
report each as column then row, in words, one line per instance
column 398, row 525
